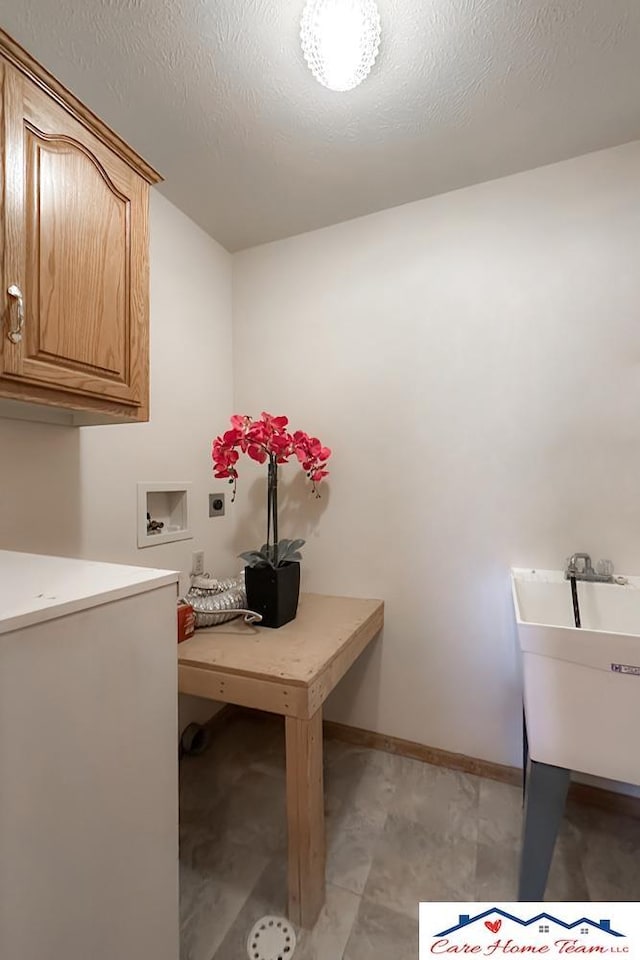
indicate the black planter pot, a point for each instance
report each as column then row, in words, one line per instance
column 273, row 592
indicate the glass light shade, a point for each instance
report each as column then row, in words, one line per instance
column 340, row 40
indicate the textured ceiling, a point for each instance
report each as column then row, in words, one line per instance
column 216, row 95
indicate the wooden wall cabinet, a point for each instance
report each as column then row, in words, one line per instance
column 75, row 276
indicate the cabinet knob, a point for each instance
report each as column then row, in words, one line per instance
column 15, row 333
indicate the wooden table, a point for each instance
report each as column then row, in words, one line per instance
column 290, row 671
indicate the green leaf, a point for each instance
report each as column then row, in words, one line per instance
column 254, row 558
column 287, row 552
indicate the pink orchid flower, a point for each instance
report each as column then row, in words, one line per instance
column 267, row 438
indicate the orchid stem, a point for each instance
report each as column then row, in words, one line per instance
column 274, row 507
column 269, row 509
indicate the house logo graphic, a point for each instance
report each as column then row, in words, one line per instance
column 543, row 921
column 530, row 931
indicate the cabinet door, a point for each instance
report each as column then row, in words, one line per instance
column 75, row 255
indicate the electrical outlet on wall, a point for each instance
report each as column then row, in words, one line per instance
column 216, row 504
column 197, row 563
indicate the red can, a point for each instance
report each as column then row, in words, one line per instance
column 186, row 621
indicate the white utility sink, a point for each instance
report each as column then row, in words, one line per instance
column 581, row 686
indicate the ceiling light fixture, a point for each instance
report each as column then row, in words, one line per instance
column 340, row 40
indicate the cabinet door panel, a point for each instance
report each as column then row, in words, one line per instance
column 77, row 256
column 79, row 222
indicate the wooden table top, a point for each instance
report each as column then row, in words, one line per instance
column 326, row 636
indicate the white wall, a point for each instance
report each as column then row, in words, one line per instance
column 72, row 491
column 473, row 360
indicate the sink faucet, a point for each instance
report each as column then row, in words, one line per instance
column 573, row 570
column 579, row 566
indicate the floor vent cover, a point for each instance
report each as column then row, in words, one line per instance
column 272, row 938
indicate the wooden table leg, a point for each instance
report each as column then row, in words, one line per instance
column 305, row 815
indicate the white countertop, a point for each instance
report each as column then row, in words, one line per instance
column 35, row 588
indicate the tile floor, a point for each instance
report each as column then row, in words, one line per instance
column 397, row 831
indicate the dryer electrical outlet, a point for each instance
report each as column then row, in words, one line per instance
column 216, row 504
